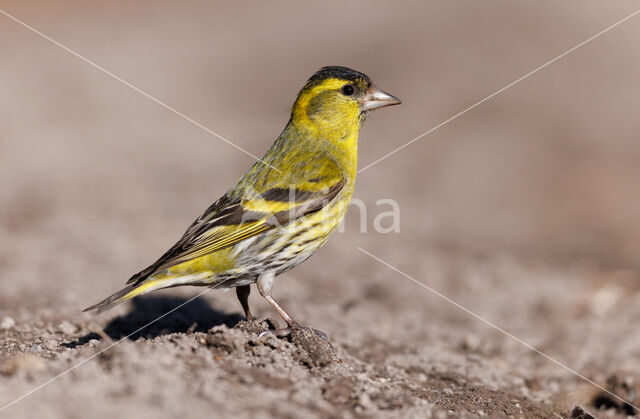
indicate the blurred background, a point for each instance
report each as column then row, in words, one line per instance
column 96, row 180
column 547, row 168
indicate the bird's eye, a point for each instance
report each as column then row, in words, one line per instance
column 347, row 90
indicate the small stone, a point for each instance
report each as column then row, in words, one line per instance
column 253, row 328
column 23, row 362
column 312, row 350
column 67, row 328
column 579, row 413
column 441, row 414
column 7, row 323
column 473, row 357
column 518, row 381
column 220, row 341
column 93, row 342
column 51, row 345
column 471, row 343
column 35, row 348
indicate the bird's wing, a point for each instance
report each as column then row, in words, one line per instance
column 229, row 221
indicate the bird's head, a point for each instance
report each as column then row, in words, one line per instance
column 338, row 99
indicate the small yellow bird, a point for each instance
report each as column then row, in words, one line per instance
column 284, row 208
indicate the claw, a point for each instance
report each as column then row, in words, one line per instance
column 264, row 283
column 321, row 335
column 288, row 330
column 280, row 333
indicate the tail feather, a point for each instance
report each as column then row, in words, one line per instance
column 150, row 284
column 143, row 274
column 124, row 294
column 135, row 282
column 112, row 300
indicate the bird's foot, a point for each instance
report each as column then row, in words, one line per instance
column 284, row 332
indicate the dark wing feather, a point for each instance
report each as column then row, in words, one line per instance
column 228, row 222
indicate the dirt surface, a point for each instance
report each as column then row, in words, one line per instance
column 522, row 210
column 428, row 361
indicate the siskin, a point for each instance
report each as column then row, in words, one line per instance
column 284, row 208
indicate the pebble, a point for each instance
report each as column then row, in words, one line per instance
column 471, row 343
column 23, row 362
column 67, row 328
column 474, row 358
column 7, row 323
column 51, row 345
column 441, row 414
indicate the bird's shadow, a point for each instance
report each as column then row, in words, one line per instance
column 152, row 316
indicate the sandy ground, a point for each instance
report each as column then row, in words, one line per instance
column 523, row 211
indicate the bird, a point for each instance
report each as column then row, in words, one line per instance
column 283, row 209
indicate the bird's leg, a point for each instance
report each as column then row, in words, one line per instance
column 243, row 292
column 265, row 283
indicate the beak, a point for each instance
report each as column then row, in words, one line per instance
column 375, row 98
